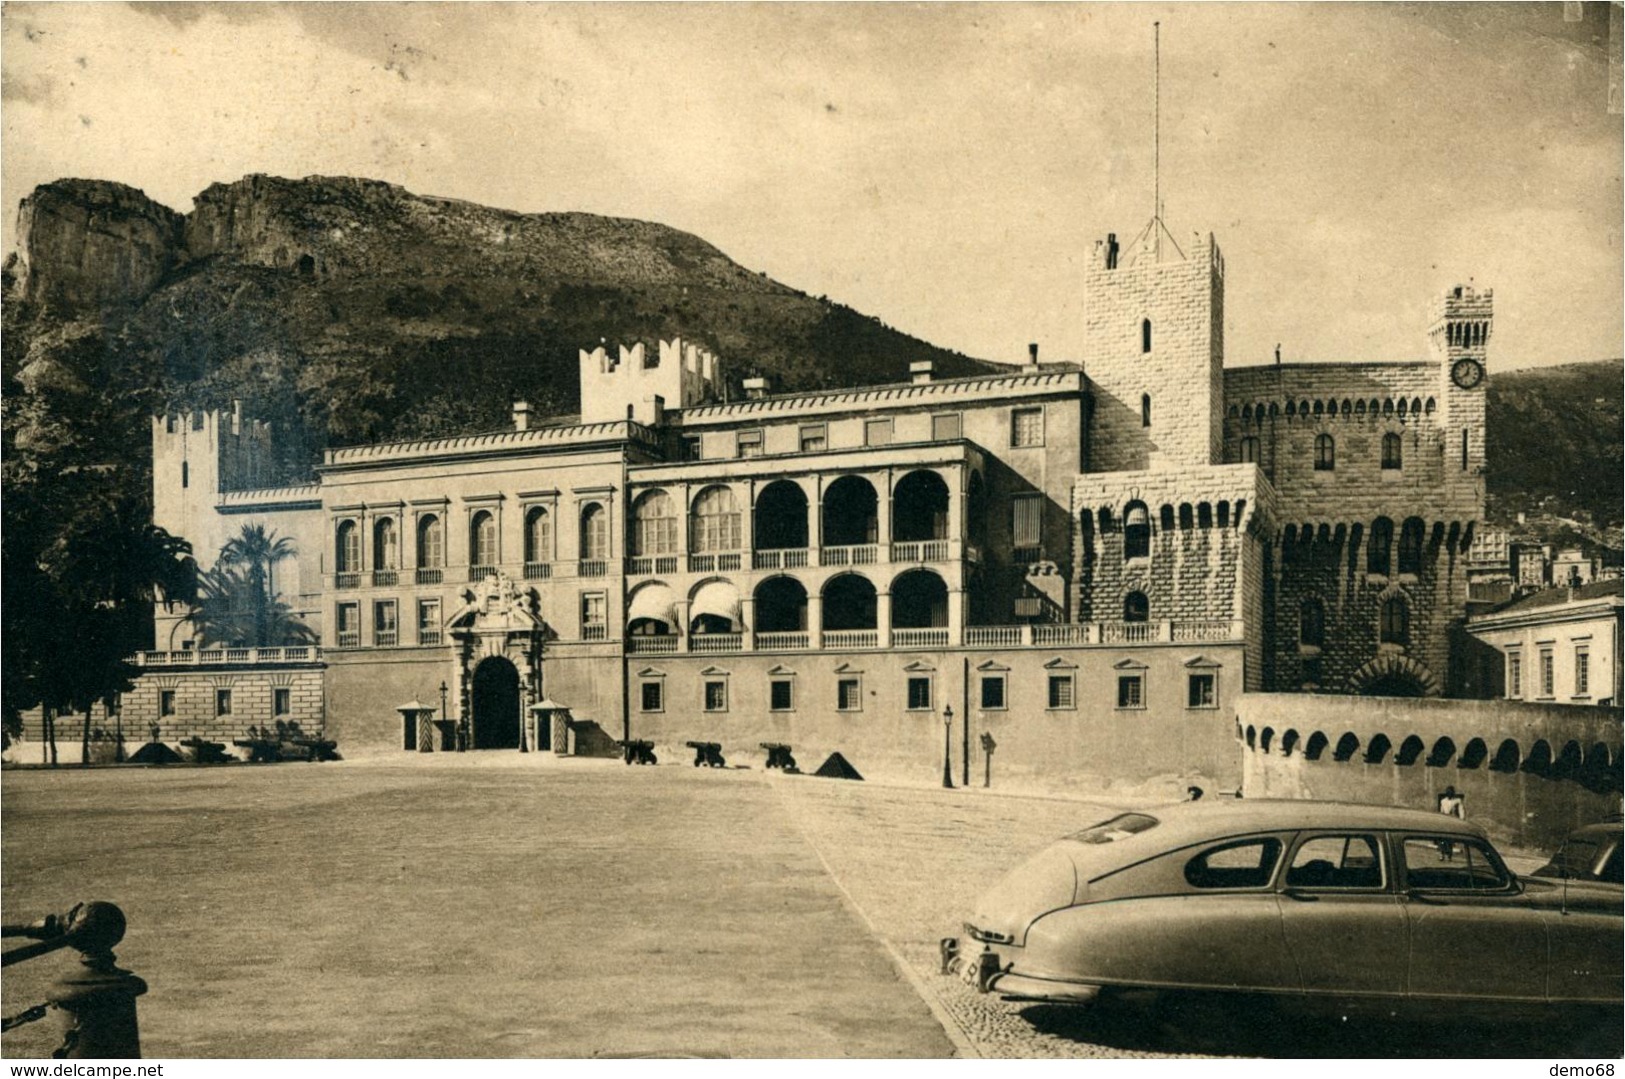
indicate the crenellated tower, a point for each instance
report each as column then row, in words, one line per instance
column 637, row 384
column 1459, row 326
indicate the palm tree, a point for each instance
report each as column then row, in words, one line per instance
column 232, row 611
column 257, row 551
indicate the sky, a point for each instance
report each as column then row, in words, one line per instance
column 946, row 169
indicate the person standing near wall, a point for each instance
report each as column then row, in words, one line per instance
column 1452, row 804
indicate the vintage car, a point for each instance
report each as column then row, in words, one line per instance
column 1312, row 903
column 1591, row 853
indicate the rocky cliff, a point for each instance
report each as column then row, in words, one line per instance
column 85, row 243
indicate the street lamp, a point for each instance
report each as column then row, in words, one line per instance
column 443, row 714
column 948, row 747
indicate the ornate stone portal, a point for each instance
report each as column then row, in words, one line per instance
column 500, row 620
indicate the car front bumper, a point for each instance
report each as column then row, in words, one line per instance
column 1012, row 986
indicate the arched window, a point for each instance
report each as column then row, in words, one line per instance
column 1167, row 518
column 1136, row 531
column 1145, row 335
column 431, row 542
column 1249, row 450
column 654, row 525
column 1136, row 608
column 594, row 533
column 538, row 535
column 1312, row 623
column 1396, row 621
column 347, row 548
column 1145, row 410
column 1392, row 451
column 1379, row 548
column 482, row 539
column 1187, row 518
column 1410, row 545
column 716, row 521
column 385, row 544
column 1325, row 453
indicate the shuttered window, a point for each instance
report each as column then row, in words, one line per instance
column 1027, row 521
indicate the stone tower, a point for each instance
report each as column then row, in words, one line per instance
column 1154, row 353
column 195, row 457
column 1459, row 327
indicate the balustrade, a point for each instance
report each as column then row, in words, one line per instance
column 592, row 567
column 716, row 642
column 384, row 578
column 782, row 641
column 224, row 656
column 430, row 575
column 538, row 571
column 480, row 573
column 851, row 638
column 920, row 638
column 865, row 554
column 785, row 558
column 346, row 580
column 652, row 646
column 920, row 551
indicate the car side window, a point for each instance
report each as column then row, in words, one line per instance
column 1249, row 863
column 1613, row 871
column 1336, row 861
column 1451, row 863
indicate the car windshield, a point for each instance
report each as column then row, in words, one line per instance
column 1575, row 859
column 1110, row 831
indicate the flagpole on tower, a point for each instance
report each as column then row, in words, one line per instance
column 1156, row 122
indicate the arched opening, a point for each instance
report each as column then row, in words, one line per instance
column 849, row 602
column 1289, row 742
column 781, row 606
column 715, row 521
column 1569, row 762
column 306, row 266
column 1539, row 760
column 1409, row 750
column 1204, row 515
column 976, row 523
column 1145, row 335
column 1411, row 534
column 1136, row 531
column 1393, row 451
column 1507, row 757
column 1474, row 755
column 850, row 518
column 780, row 517
column 431, row 542
column 714, row 608
column 1166, row 516
column 1394, row 683
column 1136, row 608
column 1187, row 516
column 1252, row 737
column 1443, row 750
column 1347, row 746
column 1315, row 747
column 1265, row 738
column 919, row 508
column 538, row 535
column 496, row 704
column 594, row 533
column 919, row 600
column 347, row 548
column 1396, row 621
column 654, row 525
column 1145, row 410
column 385, row 545
column 1376, row 751
column 1325, row 453
column 651, row 611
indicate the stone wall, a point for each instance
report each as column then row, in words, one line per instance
column 1530, row 773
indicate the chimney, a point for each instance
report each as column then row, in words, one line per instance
column 755, row 388
column 1277, row 355
column 521, row 415
column 919, row 371
column 1032, row 357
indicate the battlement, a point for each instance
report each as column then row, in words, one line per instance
column 634, row 383
column 1462, row 301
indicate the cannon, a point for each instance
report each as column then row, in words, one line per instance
column 638, row 751
column 708, row 754
column 779, row 756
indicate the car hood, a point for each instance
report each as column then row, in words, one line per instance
column 1574, row 895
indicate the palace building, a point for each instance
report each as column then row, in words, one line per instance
column 1086, row 562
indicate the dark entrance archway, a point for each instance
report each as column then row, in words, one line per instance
column 496, row 704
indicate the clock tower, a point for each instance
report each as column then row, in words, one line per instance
column 1459, row 327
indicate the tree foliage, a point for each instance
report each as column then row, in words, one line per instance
column 237, row 603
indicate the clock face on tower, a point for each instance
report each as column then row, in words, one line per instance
column 1466, row 373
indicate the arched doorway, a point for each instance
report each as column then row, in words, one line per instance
column 496, row 704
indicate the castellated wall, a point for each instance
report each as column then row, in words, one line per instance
column 680, row 373
column 1529, row 773
column 1182, row 372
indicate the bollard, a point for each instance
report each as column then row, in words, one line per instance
column 97, row 1002
column 950, row 953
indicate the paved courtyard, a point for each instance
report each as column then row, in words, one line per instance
column 507, row 906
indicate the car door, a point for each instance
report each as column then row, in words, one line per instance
column 1472, row 933
column 1345, row 927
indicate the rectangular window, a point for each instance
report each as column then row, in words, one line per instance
column 877, row 432
column 1027, row 524
column 1060, row 691
column 992, row 692
column 716, row 695
column 222, row 702
column 1027, row 427
column 1202, row 692
column 281, row 701
column 651, row 696
column 1582, row 671
column 1249, row 450
column 814, row 438
column 166, row 702
column 594, row 616
column 945, row 427
column 1546, row 674
column 385, row 629
column 919, row 694
column 849, row 695
column 782, row 695
column 349, row 625
column 1514, row 676
column 1130, row 691
column 750, row 443
column 691, row 448
column 428, row 621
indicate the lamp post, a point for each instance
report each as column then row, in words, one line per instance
column 948, row 747
column 443, row 714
